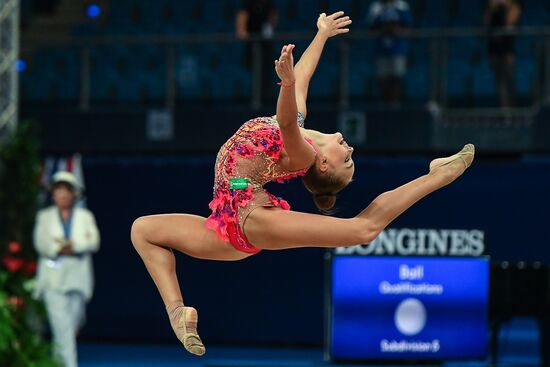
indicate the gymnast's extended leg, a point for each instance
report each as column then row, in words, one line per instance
column 274, row 229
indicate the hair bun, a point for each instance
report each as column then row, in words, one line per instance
column 324, row 202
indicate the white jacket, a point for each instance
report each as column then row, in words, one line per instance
column 65, row 273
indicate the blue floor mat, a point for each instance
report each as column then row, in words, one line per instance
column 122, row 355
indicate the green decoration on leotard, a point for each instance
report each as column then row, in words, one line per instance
column 238, row 183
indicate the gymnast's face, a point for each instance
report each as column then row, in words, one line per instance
column 339, row 158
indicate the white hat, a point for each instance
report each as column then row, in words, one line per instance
column 68, row 178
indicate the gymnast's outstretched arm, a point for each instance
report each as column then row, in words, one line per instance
column 328, row 26
column 299, row 153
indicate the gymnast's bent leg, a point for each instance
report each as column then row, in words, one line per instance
column 154, row 237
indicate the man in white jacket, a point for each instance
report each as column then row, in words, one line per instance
column 65, row 237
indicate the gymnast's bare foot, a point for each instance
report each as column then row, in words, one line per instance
column 454, row 166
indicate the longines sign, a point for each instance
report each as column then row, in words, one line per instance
column 422, row 242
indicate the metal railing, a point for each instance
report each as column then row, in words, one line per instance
column 9, row 42
column 435, row 80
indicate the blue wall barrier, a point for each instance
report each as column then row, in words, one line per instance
column 277, row 297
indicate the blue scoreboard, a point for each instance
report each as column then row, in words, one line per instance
column 398, row 308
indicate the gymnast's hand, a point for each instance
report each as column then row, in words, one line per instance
column 333, row 24
column 285, row 66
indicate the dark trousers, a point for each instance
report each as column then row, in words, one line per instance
column 266, row 71
column 504, row 72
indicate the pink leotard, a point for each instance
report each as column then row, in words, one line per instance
column 252, row 153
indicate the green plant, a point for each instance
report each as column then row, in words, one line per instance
column 19, row 187
column 21, row 345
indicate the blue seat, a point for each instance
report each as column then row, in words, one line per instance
column 103, row 71
column 192, row 71
column 362, row 79
column 53, row 73
column 150, row 69
column 465, row 49
column 222, row 83
column 417, row 78
column 435, row 14
column 87, row 30
column 525, row 47
column 484, row 82
column 325, row 84
column 534, row 13
column 120, row 10
column 327, row 76
column 525, row 77
column 306, row 16
column 469, row 13
column 337, row 5
column 459, row 75
column 213, row 12
column 34, row 83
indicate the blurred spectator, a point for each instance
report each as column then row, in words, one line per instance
column 502, row 15
column 64, row 237
column 258, row 18
column 389, row 18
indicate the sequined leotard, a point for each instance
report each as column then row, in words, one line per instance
column 252, row 153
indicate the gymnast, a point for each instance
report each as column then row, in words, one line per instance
column 246, row 218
